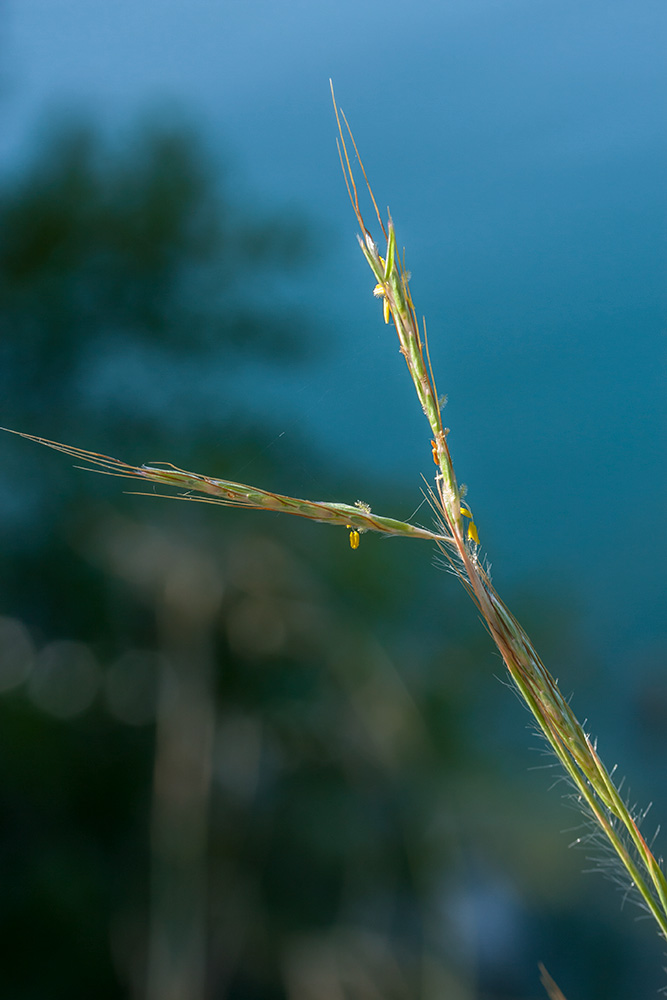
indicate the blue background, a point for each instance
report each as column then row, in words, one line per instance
column 521, row 147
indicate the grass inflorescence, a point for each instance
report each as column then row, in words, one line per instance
column 575, row 750
column 608, row 816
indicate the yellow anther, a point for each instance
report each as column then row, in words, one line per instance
column 386, row 311
column 354, row 537
column 472, row 530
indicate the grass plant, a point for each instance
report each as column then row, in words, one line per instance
column 609, row 818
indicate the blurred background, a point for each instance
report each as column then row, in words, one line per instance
column 237, row 759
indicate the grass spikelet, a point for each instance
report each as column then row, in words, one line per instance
column 356, row 517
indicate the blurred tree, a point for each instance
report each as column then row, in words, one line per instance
column 112, row 258
column 124, row 281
